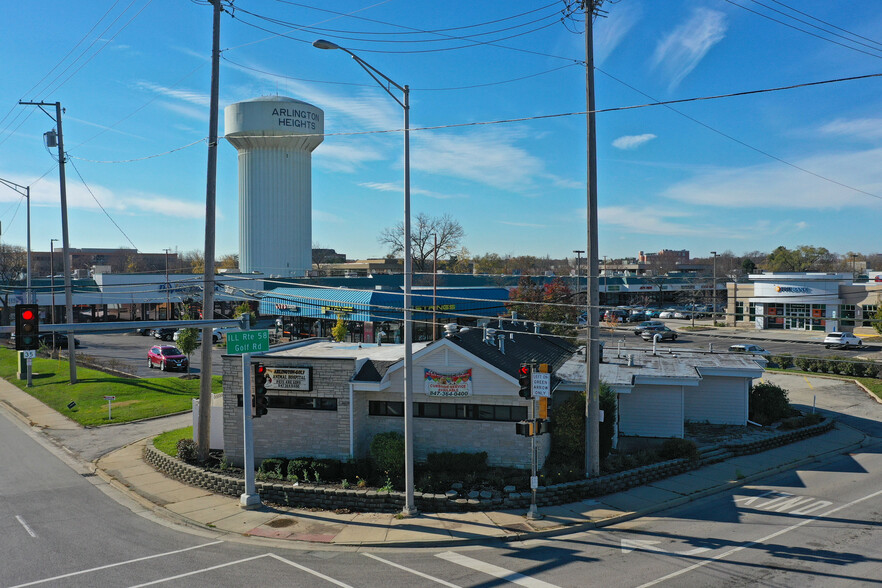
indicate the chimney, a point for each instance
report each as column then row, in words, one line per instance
column 501, row 339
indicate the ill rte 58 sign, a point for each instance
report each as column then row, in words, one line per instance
column 240, row 342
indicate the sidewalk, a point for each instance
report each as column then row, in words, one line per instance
column 126, row 470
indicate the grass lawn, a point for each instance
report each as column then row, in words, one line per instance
column 168, row 442
column 135, row 398
column 874, row 385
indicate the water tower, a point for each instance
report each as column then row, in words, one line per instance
column 275, row 136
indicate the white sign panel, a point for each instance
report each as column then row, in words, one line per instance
column 29, row 353
column 541, row 384
column 451, row 385
column 298, row 379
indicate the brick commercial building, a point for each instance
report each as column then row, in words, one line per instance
column 330, row 399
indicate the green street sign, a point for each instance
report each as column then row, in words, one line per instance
column 240, row 342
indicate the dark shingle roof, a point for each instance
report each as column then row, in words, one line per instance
column 526, row 347
column 373, row 370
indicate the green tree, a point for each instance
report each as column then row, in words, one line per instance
column 803, row 258
column 877, row 318
column 188, row 341
column 245, row 308
column 339, row 331
column 748, row 265
column 424, row 231
column 551, row 303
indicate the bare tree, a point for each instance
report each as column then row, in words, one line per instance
column 13, row 262
column 422, row 239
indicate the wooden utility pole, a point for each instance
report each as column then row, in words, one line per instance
column 592, row 344
column 208, row 275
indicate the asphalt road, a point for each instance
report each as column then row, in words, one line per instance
column 129, row 353
column 817, row 525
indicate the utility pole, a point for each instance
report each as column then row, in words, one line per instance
column 714, row 298
column 208, row 276
column 592, row 345
column 435, row 288
column 52, row 282
column 65, row 241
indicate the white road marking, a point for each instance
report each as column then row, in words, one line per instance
column 306, row 569
column 26, row 526
column 202, row 571
column 629, row 545
column 420, row 574
column 492, row 570
column 758, row 541
column 113, row 565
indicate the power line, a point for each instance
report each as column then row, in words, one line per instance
column 107, row 214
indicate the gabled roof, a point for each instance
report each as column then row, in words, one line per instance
column 526, row 346
column 373, row 371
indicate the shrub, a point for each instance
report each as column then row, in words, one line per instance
column 872, row 369
column 568, row 432
column 799, row 422
column 803, row 363
column 608, row 425
column 454, row 463
column 783, row 361
column 273, row 468
column 387, row 451
column 835, row 365
column 768, row 403
column 187, row 450
column 677, row 448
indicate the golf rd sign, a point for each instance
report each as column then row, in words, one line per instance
column 240, row 342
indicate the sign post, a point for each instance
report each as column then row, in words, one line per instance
column 109, row 399
column 245, row 343
column 29, row 355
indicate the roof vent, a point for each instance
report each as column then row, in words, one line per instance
column 514, row 317
column 501, row 339
column 630, row 360
column 536, row 327
column 490, row 336
column 450, row 329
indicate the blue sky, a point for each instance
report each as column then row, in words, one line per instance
column 737, row 174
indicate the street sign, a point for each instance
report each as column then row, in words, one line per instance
column 541, row 384
column 29, row 353
column 110, row 398
column 239, row 342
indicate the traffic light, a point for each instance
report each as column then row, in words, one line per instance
column 260, row 399
column 525, row 380
column 524, row 428
column 27, row 326
column 543, row 426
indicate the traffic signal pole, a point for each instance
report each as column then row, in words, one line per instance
column 250, row 499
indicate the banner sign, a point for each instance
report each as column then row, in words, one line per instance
column 299, row 379
column 454, row 385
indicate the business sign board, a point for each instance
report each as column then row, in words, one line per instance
column 296, row 379
column 448, row 385
column 541, row 384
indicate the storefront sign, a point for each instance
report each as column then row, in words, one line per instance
column 290, row 307
column 613, row 288
column 337, row 309
column 451, row 385
column 793, row 289
column 436, row 307
column 298, row 379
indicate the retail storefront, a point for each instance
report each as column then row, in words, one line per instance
column 375, row 315
column 822, row 302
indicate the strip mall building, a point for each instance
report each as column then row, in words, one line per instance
column 803, row 301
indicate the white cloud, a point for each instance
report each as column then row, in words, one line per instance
column 684, row 48
column 632, row 141
column 189, row 96
column 660, row 221
column 774, row 185
column 863, row 128
column 326, row 217
column 343, row 156
column 609, row 32
column 488, row 157
column 399, row 188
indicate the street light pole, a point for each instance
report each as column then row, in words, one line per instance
column 168, row 290
column 409, row 505
column 714, row 311
column 434, row 287
column 52, row 282
column 578, row 253
column 27, row 194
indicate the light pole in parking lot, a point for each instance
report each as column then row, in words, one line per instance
column 714, row 298
column 386, row 83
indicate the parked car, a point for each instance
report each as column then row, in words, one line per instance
column 682, row 314
column 667, row 313
column 647, row 325
column 636, row 317
column 60, row 340
column 164, row 334
column 215, row 336
column 167, row 357
column 615, row 314
column 842, row 340
column 665, row 333
column 748, row 348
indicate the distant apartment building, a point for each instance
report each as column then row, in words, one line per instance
column 118, row 260
column 667, row 256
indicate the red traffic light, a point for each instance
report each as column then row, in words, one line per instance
column 28, row 315
column 524, row 370
column 260, row 369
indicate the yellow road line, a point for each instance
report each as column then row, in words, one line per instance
column 807, row 382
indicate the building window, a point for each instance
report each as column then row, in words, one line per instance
column 448, row 410
column 847, row 312
column 297, row 402
column 751, row 311
column 869, row 311
column 739, row 312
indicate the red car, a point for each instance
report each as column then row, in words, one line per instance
column 167, row 357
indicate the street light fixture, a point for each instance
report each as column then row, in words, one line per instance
column 380, row 78
column 27, row 194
